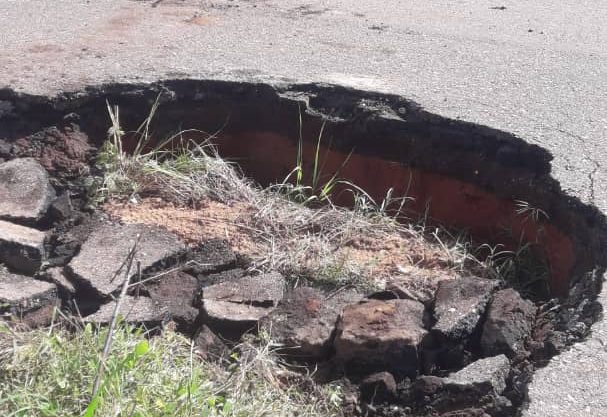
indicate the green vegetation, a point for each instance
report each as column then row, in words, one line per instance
column 50, row 372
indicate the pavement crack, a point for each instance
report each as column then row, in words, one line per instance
column 591, row 178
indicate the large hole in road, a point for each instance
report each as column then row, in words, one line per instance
column 464, row 176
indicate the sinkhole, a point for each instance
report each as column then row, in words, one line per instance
column 493, row 185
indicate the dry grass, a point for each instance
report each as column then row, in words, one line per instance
column 190, row 190
column 327, row 245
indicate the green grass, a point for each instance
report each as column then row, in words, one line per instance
column 50, row 373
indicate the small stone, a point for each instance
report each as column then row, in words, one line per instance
column 99, row 265
column 408, row 294
column 236, row 306
column 377, row 388
column 21, row 296
column 21, row 247
column 176, row 292
column 57, row 277
column 61, row 208
column 25, row 190
column 208, row 345
column 483, row 377
column 381, row 335
column 427, row 385
column 508, row 325
column 134, row 310
column 459, row 305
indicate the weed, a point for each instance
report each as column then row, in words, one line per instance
column 295, row 186
column 521, row 268
column 535, row 214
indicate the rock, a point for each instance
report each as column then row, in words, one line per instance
column 483, row 377
column 26, row 298
column 377, row 388
column 459, row 305
column 404, row 293
column 176, row 292
column 25, row 190
column 508, row 325
column 21, row 247
column 427, row 385
column 234, row 307
column 305, row 320
column 61, row 209
column 381, row 335
column 57, row 277
column 219, row 277
column 102, row 255
column 134, row 310
column 208, row 345
column 212, row 256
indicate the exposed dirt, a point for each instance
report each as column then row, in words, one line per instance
column 64, row 151
column 405, row 260
column 208, row 220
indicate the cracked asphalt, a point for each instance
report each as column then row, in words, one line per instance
column 536, row 69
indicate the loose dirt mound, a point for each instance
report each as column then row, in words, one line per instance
column 402, row 259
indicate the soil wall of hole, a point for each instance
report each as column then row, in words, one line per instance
column 459, row 174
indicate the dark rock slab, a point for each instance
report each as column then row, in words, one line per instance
column 380, row 335
column 134, row 310
column 21, row 247
column 485, row 376
column 378, row 387
column 102, row 255
column 212, row 256
column 176, row 292
column 219, row 277
column 508, row 324
column 304, row 322
column 236, row 306
column 26, row 298
column 25, row 190
column 461, row 393
column 459, row 305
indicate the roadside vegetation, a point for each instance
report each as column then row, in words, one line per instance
column 50, row 372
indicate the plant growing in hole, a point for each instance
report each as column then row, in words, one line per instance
column 295, row 186
column 522, row 268
column 535, row 214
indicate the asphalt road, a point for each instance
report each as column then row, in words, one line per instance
column 537, row 69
